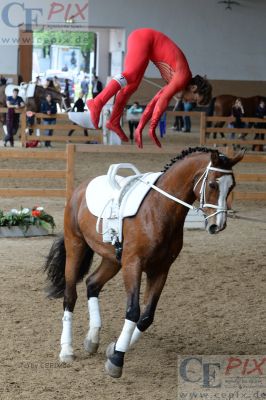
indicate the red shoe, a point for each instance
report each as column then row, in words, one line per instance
column 153, row 136
column 138, row 138
column 94, row 113
column 118, row 130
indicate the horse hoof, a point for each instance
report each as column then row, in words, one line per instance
column 67, row 358
column 67, row 354
column 90, row 347
column 110, row 350
column 113, row 370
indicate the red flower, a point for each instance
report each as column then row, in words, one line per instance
column 36, row 213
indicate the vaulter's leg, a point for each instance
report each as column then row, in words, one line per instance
column 115, row 353
column 95, row 106
column 95, row 283
column 120, row 102
column 136, row 62
column 75, row 249
column 146, row 116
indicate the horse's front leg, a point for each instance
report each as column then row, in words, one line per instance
column 115, row 352
column 95, row 283
column 153, row 290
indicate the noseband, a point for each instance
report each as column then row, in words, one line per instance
column 202, row 192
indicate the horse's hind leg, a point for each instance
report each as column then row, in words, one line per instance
column 95, row 283
column 115, row 353
column 75, row 252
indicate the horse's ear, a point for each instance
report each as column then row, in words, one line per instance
column 215, row 158
column 238, row 157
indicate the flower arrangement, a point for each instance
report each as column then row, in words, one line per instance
column 25, row 217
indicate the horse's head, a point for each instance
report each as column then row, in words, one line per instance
column 212, row 188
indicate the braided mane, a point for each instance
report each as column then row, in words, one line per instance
column 191, row 150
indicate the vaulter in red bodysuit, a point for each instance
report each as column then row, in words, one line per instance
column 146, row 45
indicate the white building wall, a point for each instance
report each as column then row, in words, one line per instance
column 224, row 44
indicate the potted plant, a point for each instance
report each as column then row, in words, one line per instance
column 26, row 222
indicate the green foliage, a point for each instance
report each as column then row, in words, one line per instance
column 83, row 40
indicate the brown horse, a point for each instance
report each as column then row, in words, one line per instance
column 152, row 240
column 222, row 106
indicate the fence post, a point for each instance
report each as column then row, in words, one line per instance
column 70, row 173
column 202, row 128
column 23, row 127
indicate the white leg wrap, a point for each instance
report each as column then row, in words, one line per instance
column 121, row 80
column 95, row 319
column 67, row 353
column 123, row 341
column 66, row 337
column 135, row 337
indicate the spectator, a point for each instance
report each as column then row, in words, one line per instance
column 67, row 94
column 12, row 119
column 188, row 106
column 84, row 85
column 162, row 125
column 260, row 113
column 48, row 106
column 97, row 86
column 179, row 123
column 65, row 68
column 79, row 106
column 236, row 115
column 133, row 116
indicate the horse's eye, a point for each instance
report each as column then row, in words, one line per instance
column 213, row 185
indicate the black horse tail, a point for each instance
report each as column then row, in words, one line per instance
column 211, row 107
column 55, row 268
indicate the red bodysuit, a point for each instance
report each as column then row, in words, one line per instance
column 144, row 45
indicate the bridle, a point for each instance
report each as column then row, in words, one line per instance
column 202, row 192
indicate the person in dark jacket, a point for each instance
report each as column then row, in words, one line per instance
column 237, row 114
column 260, row 113
column 97, row 86
column 13, row 103
column 48, row 106
column 79, row 106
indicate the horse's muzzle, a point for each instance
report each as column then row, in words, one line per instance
column 213, row 228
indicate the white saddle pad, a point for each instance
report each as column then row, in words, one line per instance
column 82, row 119
column 105, row 202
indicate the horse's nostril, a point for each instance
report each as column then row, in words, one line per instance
column 213, row 229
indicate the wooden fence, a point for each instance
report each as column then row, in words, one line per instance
column 232, row 136
column 247, row 178
column 68, row 173
column 62, row 124
column 65, row 174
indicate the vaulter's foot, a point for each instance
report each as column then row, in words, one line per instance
column 138, row 138
column 118, row 130
column 153, row 136
column 95, row 113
